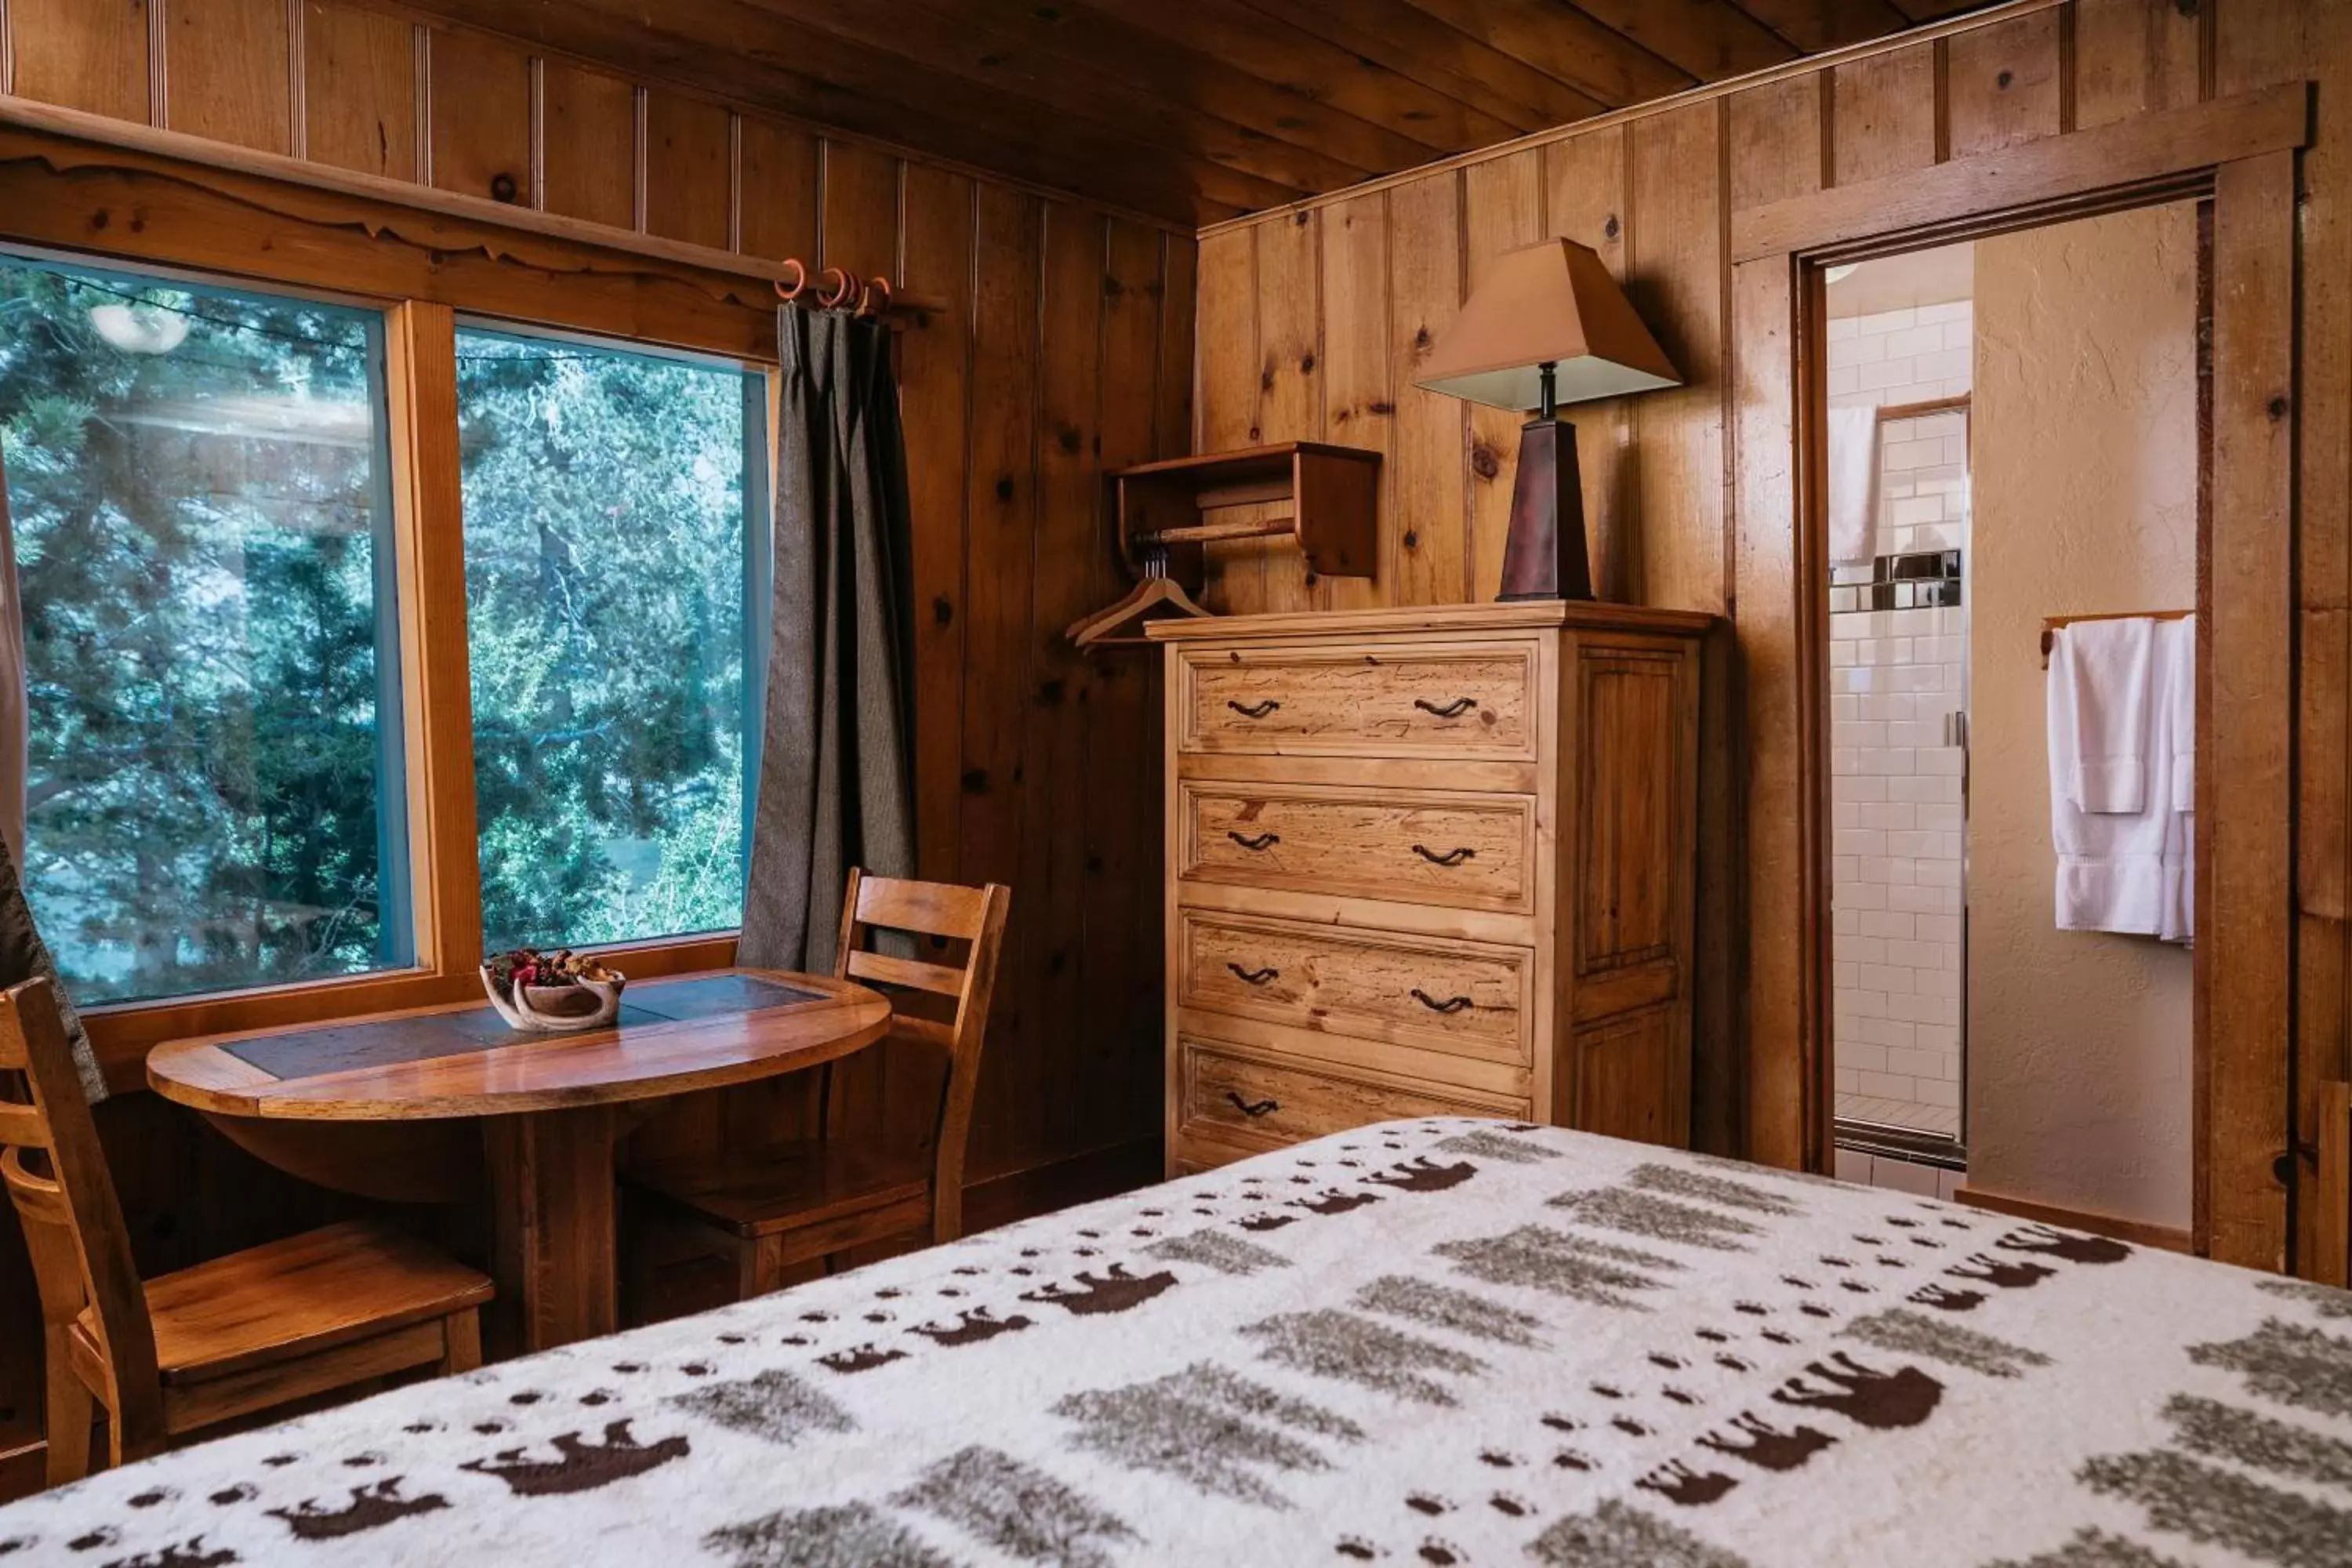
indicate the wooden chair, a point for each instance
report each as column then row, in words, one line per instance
column 256, row 1330
column 819, row 1197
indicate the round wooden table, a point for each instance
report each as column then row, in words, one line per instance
column 431, row 1104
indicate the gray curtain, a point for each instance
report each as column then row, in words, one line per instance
column 23, row 954
column 836, row 744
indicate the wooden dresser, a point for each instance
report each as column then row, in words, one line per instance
column 1435, row 861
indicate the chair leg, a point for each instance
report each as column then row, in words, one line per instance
column 70, row 1407
column 461, row 1343
column 759, row 1266
column 120, row 1453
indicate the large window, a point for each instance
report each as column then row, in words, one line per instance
column 198, row 480
column 607, row 496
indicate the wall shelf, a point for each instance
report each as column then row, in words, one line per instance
column 1325, row 497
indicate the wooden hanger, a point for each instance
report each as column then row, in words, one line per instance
column 1157, row 597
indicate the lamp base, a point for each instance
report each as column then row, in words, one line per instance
column 1545, row 556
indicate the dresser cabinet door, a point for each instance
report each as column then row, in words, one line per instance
column 1464, row 999
column 1231, row 1104
column 1468, row 700
column 1464, row 851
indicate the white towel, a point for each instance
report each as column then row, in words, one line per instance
column 2176, row 690
column 2180, row 644
column 1853, row 485
column 2124, row 871
column 2111, row 669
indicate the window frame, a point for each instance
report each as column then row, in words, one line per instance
column 395, row 824
column 760, row 381
column 421, row 268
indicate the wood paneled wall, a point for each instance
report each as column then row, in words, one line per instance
column 1066, row 347
column 1312, row 320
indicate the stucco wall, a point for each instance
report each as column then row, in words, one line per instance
column 2086, row 472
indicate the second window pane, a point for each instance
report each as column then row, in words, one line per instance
column 606, row 495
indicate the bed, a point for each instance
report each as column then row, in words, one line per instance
column 1436, row 1341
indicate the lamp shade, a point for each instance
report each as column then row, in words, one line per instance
column 1552, row 302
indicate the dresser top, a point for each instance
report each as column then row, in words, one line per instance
column 1529, row 615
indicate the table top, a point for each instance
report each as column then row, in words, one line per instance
column 673, row 1035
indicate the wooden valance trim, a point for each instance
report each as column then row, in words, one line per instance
column 156, row 208
column 201, row 151
column 2133, row 155
column 81, row 126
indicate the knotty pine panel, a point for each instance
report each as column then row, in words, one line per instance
column 1290, row 377
column 1000, row 522
column 229, row 70
column 480, row 93
column 860, row 226
column 1423, row 539
column 2001, row 84
column 91, row 54
column 779, row 187
column 935, row 389
column 1501, row 209
column 1118, row 975
column 2131, row 57
column 360, row 90
column 1585, row 200
column 1359, row 398
column 1884, row 114
column 1059, row 689
column 589, row 137
column 689, row 169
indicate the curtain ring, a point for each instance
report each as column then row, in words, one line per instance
column 838, row 289
column 800, row 279
column 865, row 305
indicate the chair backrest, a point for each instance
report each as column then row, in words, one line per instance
column 57, row 1176
column 974, row 916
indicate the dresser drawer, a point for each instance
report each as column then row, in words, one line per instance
column 1476, row 699
column 1464, row 851
column 1463, row 999
column 1249, row 1103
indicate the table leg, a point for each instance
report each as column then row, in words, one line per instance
column 552, row 1245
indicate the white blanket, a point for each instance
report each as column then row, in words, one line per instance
column 1445, row 1341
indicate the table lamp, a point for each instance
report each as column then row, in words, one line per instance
column 1548, row 326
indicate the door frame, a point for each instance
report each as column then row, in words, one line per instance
column 2241, row 153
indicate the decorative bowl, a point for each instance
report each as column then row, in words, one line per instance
column 552, row 1009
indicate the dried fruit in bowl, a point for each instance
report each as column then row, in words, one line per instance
column 528, row 966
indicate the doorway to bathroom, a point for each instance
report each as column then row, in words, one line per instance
column 2014, row 485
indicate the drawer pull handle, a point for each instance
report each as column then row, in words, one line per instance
column 1451, row 858
column 1253, row 1111
column 1451, row 1005
column 1256, row 976
column 1453, row 709
column 1263, row 841
column 1256, row 709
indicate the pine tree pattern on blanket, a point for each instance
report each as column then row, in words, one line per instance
column 1442, row 1342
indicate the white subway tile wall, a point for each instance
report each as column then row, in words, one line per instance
column 1896, row 677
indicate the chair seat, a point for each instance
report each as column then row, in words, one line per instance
column 790, row 1186
column 291, row 1299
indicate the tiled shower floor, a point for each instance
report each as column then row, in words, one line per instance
column 1943, row 1120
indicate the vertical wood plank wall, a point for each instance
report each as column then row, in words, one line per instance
column 1068, row 345
column 1668, row 477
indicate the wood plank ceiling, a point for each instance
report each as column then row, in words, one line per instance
column 1191, row 110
